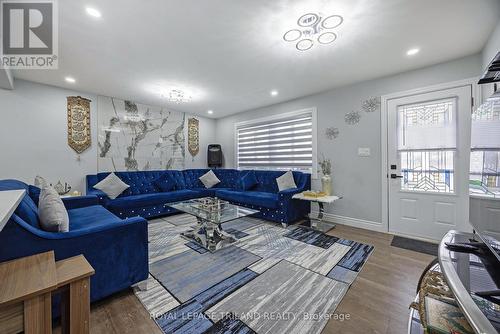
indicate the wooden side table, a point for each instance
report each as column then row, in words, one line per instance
column 73, row 279
column 26, row 286
column 318, row 223
column 25, row 294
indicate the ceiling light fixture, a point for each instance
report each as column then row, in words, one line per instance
column 412, row 52
column 313, row 27
column 178, row 96
column 93, row 12
column 210, row 112
column 70, row 79
column 274, row 92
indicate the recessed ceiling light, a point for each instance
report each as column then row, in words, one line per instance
column 210, row 112
column 412, row 52
column 93, row 12
column 70, row 79
column 274, row 92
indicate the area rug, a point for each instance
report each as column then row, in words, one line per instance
column 415, row 245
column 273, row 280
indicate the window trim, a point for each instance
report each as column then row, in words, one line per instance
column 314, row 116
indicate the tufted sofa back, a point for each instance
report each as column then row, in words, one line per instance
column 228, row 177
column 267, row 180
column 142, row 182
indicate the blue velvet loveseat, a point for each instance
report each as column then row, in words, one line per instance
column 116, row 248
column 145, row 199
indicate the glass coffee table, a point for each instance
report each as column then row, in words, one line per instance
column 211, row 213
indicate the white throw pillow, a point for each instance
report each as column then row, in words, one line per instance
column 40, row 182
column 51, row 211
column 112, row 186
column 209, row 179
column 286, row 181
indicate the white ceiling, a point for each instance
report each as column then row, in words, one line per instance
column 230, row 53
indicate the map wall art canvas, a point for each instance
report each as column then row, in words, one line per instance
column 134, row 137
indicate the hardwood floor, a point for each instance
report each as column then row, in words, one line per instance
column 377, row 302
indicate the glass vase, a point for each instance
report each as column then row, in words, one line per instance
column 326, row 184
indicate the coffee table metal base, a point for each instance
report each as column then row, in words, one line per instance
column 209, row 236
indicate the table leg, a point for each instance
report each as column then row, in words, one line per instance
column 75, row 308
column 38, row 315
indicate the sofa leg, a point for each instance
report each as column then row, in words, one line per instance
column 285, row 225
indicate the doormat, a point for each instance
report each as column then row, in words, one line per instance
column 415, row 245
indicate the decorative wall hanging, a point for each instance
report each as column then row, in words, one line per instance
column 135, row 136
column 193, row 136
column 371, row 105
column 352, row 117
column 331, row 133
column 78, row 123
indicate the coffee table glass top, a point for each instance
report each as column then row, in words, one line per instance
column 214, row 210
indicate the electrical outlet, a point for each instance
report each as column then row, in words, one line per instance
column 364, row 151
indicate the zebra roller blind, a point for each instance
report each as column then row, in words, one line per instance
column 285, row 142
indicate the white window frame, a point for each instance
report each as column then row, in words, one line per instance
column 314, row 114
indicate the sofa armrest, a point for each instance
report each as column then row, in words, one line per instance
column 287, row 194
column 80, row 201
column 94, row 230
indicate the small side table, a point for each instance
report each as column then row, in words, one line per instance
column 26, row 288
column 318, row 223
column 25, row 294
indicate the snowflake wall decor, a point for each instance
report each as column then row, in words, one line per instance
column 352, row 117
column 331, row 133
column 371, row 105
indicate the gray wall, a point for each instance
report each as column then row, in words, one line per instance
column 33, row 136
column 492, row 47
column 356, row 178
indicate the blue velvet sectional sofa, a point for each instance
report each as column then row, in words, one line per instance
column 145, row 199
column 116, row 248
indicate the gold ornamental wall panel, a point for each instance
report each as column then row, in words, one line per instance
column 78, row 123
column 193, row 136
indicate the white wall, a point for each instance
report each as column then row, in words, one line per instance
column 492, row 47
column 356, row 178
column 33, row 136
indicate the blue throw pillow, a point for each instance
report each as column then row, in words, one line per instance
column 248, row 181
column 165, row 183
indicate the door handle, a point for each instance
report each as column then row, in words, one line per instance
column 394, row 176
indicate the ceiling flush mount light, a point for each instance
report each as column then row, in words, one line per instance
column 178, row 96
column 412, row 52
column 313, row 28
column 274, row 92
column 93, row 12
column 210, row 112
column 70, row 79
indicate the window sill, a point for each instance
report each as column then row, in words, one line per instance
column 484, row 197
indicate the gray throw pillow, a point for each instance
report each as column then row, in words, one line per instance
column 112, row 186
column 286, row 181
column 209, row 179
column 52, row 212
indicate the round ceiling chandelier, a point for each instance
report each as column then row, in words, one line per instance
column 178, row 96
column 313, row 28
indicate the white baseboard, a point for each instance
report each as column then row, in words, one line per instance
column 349, row 221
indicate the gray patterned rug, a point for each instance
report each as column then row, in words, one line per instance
column 273, row 280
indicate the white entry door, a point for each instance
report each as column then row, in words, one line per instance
column 428, row 162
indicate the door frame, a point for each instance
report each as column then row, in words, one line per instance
column 476, row 90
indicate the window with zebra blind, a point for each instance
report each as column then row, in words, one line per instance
column 281, row 142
